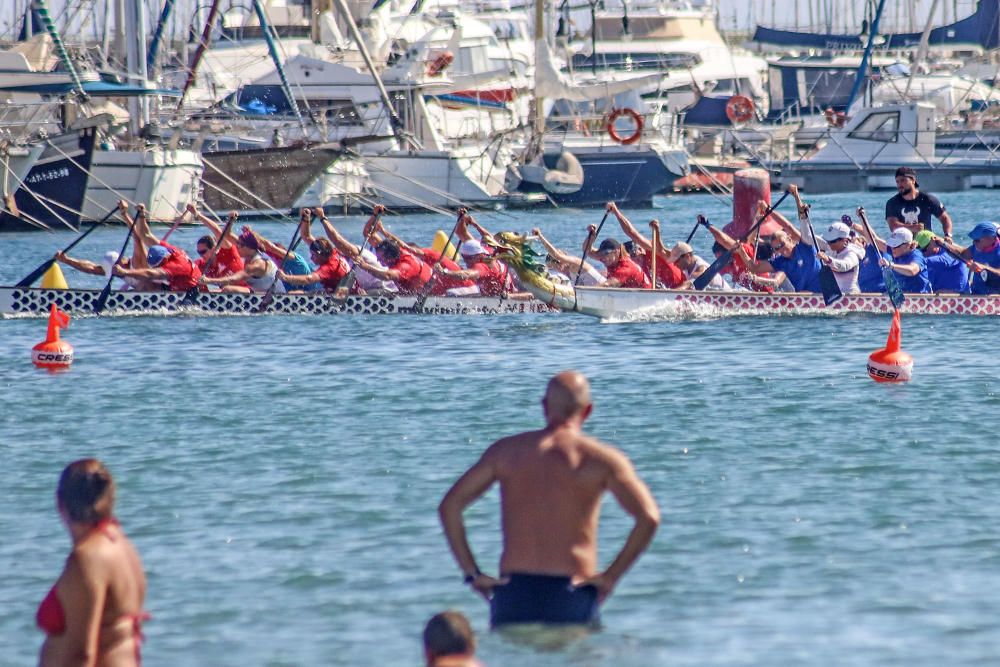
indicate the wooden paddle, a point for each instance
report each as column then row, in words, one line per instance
column 827, row 281
column 723, row 260
column 892, row 288
column 265, row 300
column 29, row 279
column 191, row 296
column 418, row 305
column 655, row 245
column 102, row 298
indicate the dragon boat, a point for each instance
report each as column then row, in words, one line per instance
column 31, row 301
column 613, row 303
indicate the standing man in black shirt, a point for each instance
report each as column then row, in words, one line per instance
column 912, row 209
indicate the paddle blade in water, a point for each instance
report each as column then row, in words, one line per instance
column 892, row 288
column 828, row 284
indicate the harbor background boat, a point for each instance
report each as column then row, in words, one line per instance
column 826, row 521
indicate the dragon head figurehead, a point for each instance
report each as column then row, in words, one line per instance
column 517, row 252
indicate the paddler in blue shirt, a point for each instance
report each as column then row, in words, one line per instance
column 793, row 255
column 900, row 253
column 870, row 278
column 983, row 257
column 907, row 262
column 947, row 273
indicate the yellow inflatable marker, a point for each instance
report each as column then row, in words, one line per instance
column 440, row 239
column 54, row 278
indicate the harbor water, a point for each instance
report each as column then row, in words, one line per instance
column 280, row 475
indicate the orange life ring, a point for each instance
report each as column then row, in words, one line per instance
column 439, row 64
column 613, row 133
column 739, row 109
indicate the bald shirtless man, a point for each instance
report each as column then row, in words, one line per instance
column 551, row 483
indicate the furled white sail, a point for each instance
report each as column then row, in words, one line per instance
column 553, row 84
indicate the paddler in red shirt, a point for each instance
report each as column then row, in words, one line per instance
column 668, row 275
column 408, row 271
column 164, row 263
column 621, row 270
column 331, row 267
column 491, row 275
column 444, row 284
column 227, row 258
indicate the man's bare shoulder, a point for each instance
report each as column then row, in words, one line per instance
column 603, row 452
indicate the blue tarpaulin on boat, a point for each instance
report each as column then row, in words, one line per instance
column 982, row 28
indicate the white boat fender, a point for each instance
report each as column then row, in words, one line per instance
column 566, row 178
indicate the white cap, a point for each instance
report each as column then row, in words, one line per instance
column 110, row 259
column 901, row 236
column 836, row 231
column 472, row 247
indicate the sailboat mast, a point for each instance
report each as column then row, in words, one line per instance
column 863, row 67
column 135, row 63
column 539, row 44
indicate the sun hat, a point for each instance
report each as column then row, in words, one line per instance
column 984, row 229
column 923, row 238
column 901, row 236
column 471, row 248
column 678, row 251
column 608, row 245
column 836, row 231
column 156, row 255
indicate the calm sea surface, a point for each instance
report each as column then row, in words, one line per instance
column 280, row 475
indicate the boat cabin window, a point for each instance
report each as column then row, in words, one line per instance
column 882, row 127
column 638, row 61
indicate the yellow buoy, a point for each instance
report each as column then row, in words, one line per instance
column 54, row 278
column 440, row 240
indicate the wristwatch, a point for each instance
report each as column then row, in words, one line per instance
column 469, row 578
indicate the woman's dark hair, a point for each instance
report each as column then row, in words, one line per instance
column 717, row 248
column 389, row 249
column 86, row 492
column 207, row 240
column 321, row 247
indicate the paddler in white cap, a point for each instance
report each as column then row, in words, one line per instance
column 843, row 257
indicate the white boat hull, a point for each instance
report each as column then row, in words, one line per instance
column 164, row 180
column 35, row 302
column 620, row 303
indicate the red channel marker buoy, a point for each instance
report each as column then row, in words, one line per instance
column 53, row 353
column 891, row 364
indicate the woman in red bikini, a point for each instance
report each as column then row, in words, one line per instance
column 93, row 613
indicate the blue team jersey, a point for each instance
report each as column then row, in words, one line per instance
column 870, row 278
column 982, row 285
column 802, row 268
column 918, row 284
column 947, row 274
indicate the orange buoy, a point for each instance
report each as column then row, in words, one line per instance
column 613, row 131
column 53, row 353
column 440, row 63
column 891, row 364
column 739, row 109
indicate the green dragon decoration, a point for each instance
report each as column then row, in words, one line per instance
column 516, row 251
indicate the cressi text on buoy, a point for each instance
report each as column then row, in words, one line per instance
column 891, row 364
column 53, row 353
